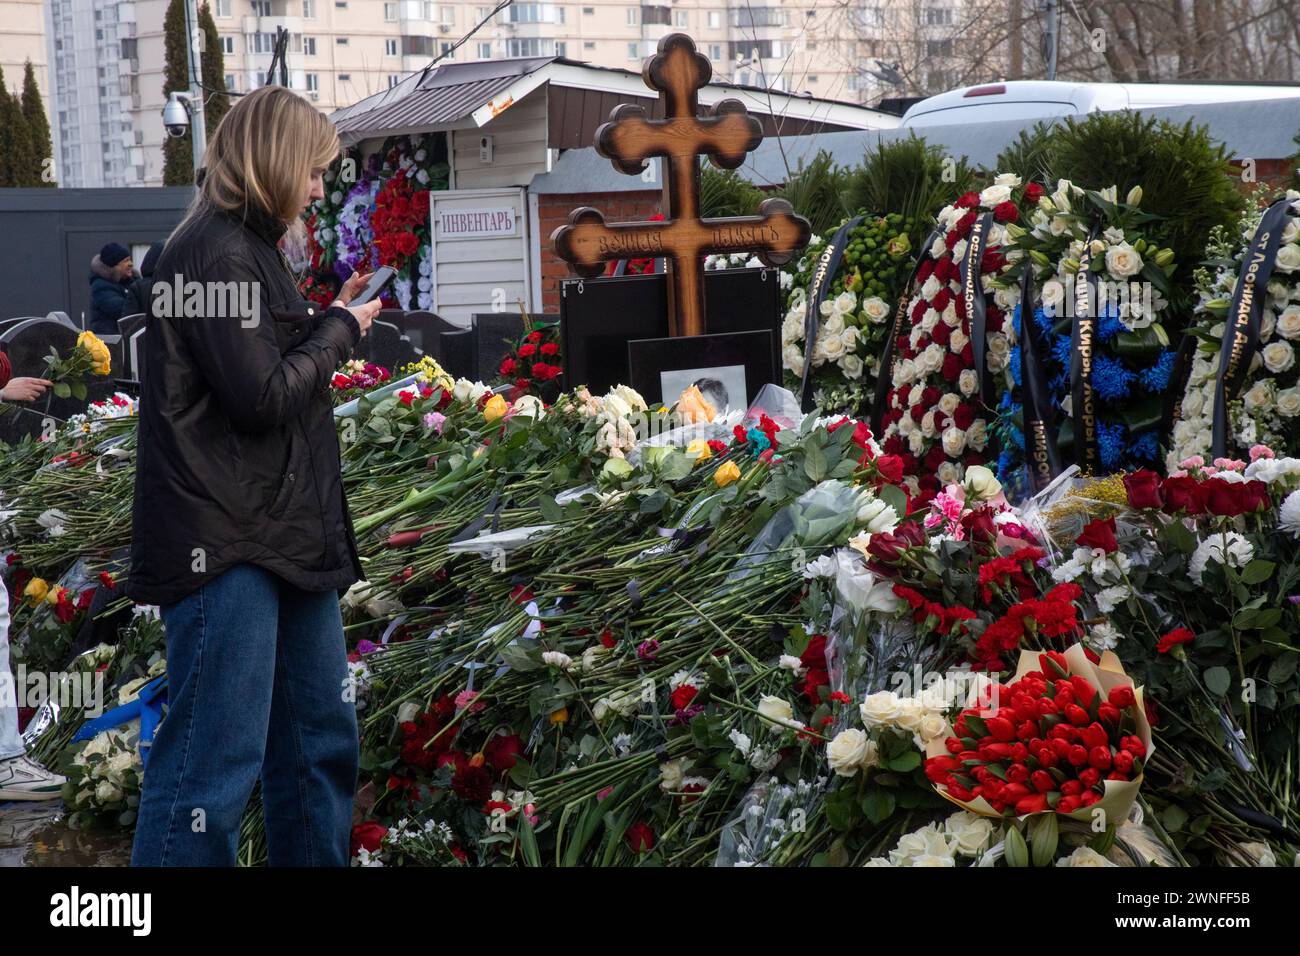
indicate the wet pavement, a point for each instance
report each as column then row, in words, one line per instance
column 36, row 834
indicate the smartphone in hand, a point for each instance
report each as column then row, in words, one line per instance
column 382, row 277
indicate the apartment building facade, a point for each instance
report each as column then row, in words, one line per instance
column 107, row 56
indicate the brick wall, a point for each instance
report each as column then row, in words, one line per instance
column 553, row 211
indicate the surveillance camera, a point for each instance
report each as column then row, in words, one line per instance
column 176, row 115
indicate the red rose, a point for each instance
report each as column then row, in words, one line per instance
column 640, row 838
column 1143, row 489
column 1099, row 534
column 550, row 348
column 1182, row 494
column 1034, row 192
column 1006, row 212
column 527, row 349
column 1225, row 498
column 368, row 835
column 1255, row 497
column 1179, row 635
column 503, row 752
column 890, row 468
column 952, row 367
column 507, row 368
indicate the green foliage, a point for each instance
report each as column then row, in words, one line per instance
column 215, row 105
column 178, row 154
column 38, row 127
column 1030, row 156
column 724, row 192
column 1184, row 174
column 16, row 160
column 817, row 192
column 909, row 177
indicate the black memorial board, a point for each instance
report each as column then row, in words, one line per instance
column 728, row 367
column 598, row 317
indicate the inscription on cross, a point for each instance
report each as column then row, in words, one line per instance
column 726, row 133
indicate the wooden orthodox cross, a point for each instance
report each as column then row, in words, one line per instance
column 726, row 134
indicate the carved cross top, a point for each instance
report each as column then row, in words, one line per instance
column 725, row 134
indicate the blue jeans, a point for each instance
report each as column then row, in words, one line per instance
column 256, row 670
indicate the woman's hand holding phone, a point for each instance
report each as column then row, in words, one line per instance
column 365, row 313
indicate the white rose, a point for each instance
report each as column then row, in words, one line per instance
column 528, row 406
column 845, row 302
column 977, row 436
column 929, row 319
column 948, row 403
column 969, row 834
column 948, row 473
column 833, row 324
column 910, row 714
column 880, row 708
column 850, row 337
column 1006, row 179
column 916, row 443
column 981, row 484
column 875, row 309
column 954, row 442
column 968, row 382
column 557, row 659
column 851, row 365
column 792, row 358
column 1084, row 856
column 1288, row 258
column 1258, row 396
column 1123, row 260
column 1288, row 323
column 777, row 710
column 932, row 726
column 927, row 424
column 106, row 792
column 847, row 752
column 1288, row 402
column 950, row 317
column 1279, row 356
column 995, row 194
column 831, row 346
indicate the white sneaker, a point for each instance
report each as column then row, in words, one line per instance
column 24, row 779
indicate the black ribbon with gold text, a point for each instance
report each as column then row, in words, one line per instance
column 1042, row 456
column 1241, row 330
column 972, row 292
column 1083, row 344
column 827, row 263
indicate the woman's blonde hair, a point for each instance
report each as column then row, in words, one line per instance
column 262, row 154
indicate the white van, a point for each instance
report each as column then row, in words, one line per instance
column 1044, row 99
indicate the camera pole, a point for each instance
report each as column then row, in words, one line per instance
column 194, row 38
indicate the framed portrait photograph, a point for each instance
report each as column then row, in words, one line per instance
column 728, row 367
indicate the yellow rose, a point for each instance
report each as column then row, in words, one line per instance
column 495, row 408
column 560, row 716
column 694, row 407
column 727, row 473
column 699, row 450
column 36, row 590
column 52, row 595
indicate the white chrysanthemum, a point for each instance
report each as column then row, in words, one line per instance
column 1229, row 548
column 1288, row 516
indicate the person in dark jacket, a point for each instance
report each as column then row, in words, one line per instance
column 111, row 273
column 241, row 533
column 139, row 293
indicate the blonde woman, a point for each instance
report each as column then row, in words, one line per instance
column 241, row 533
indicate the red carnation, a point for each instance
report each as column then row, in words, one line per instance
column 503, row 751
column 1179, row 635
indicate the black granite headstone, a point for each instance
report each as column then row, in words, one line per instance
column 450, row 345
column 27, row 344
